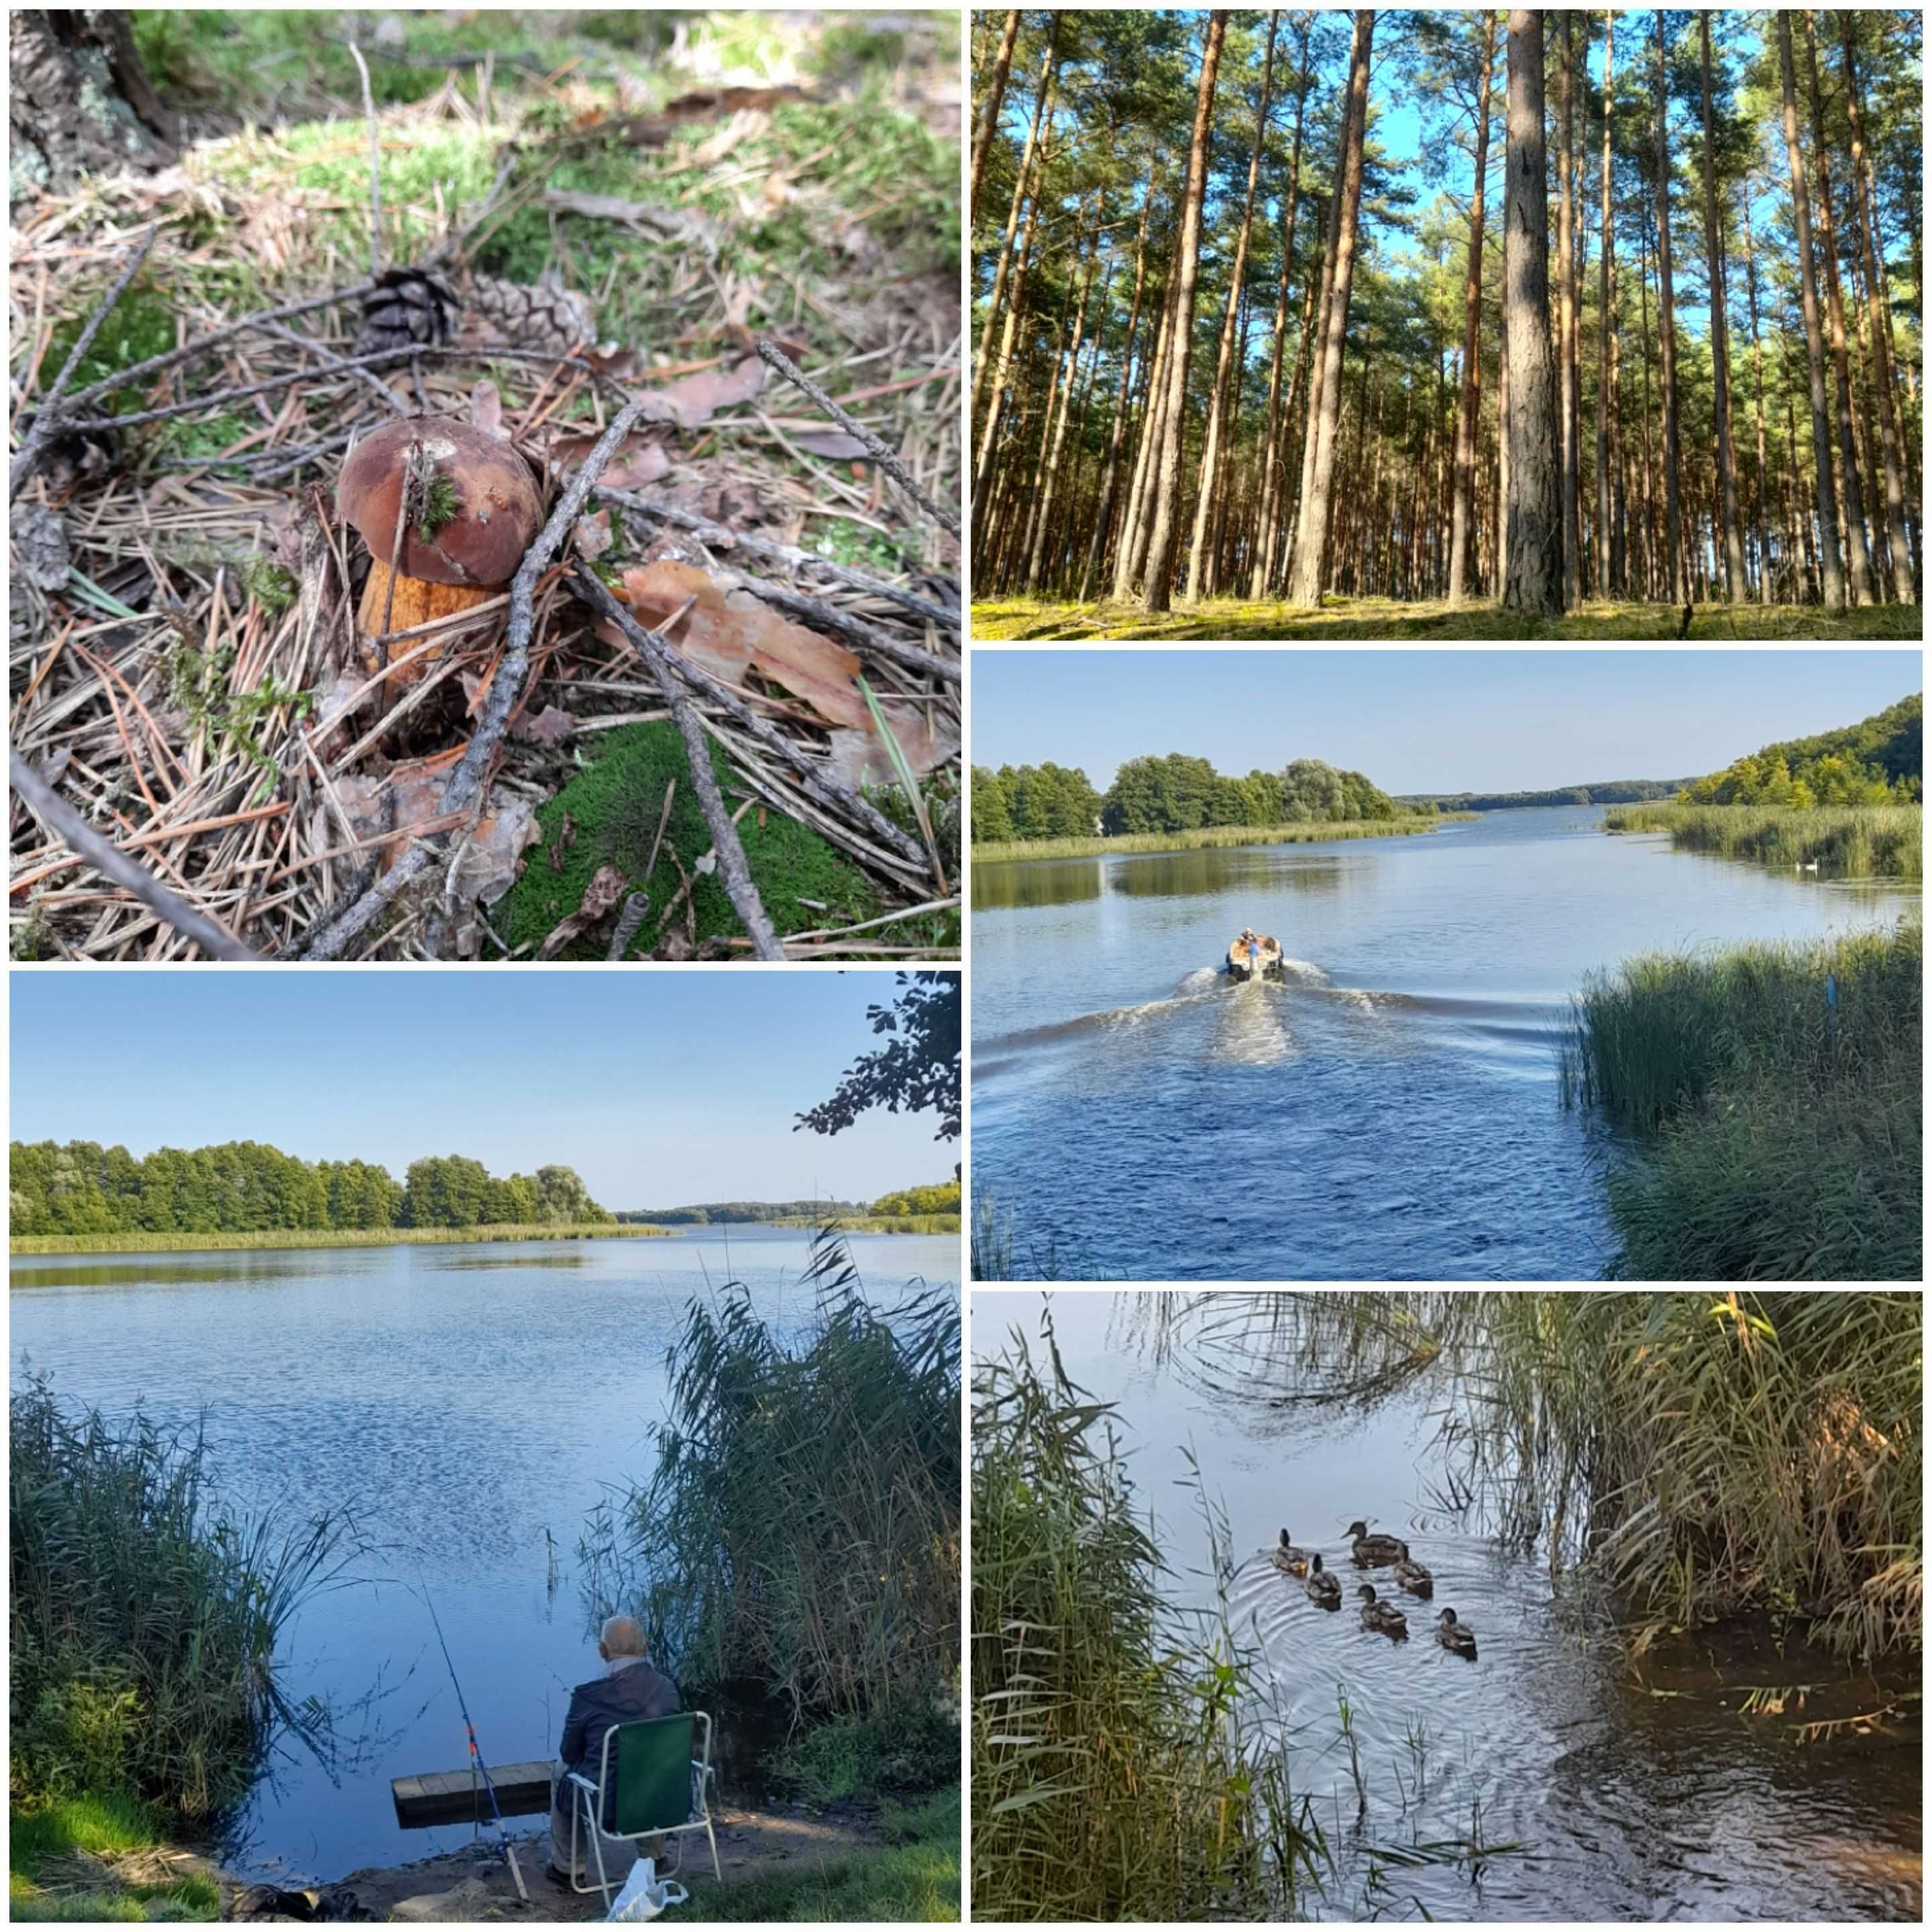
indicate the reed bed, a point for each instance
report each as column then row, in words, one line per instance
column 143, row 1617
column 1772, row 1096
column 801, row 1530
column 1315, row 832
column 137, row 1243
column 1843, row 841
column 1112, row 1777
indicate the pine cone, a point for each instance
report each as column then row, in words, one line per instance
column 556, row 320
column 407, row 307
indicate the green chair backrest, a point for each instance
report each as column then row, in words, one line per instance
column 651, row 1766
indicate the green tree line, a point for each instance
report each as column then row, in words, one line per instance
column 1175, row 793
column 79, row 1187
column 1879, row 761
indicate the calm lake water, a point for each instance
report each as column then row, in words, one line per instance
column 1390, row 1110
column 463, row 1402
column 1637, row 1793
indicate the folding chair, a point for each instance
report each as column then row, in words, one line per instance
column 651, row 1782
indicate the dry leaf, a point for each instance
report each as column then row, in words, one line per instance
column 488, row 866
column 601, row 897
column 592, row 535
column 860, row 757
column 640, row 459
column 692, row 401
column 486, row 408
column 832, row 442
column 550, row 726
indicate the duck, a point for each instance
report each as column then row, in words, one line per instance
column 1323, row 1587
column 1368, row 1549
column 1378, row 1615
column 1453, row 1636
column 1287, row 1557
column 1413, row 1576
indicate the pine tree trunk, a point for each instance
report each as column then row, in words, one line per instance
column 79, row 101
column 1727, row 475
column 1003, row 367
column 1135, row 531
column 1469, row 408
column 1036, row 563
column 1606, row 326
column 1104, row 511
column 1566, row 323
column 1533, row 548
column 1830, row 574
column 1161, row 540
column 1760, row 516
column 1210, row 449
column 989, row 117
column 1678, row 591
column 1312, row 541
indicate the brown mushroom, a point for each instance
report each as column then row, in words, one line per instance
column 463, row 503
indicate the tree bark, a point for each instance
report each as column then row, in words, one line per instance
column 1104, row 510
column 1469, row 407
column 1187, row 268
column 1830, row 574
column 1210, row 449
column 1727, row 474
column 1305, row 582
column 1566, row 326
column 1533, row 556
column 79, row 101
column 1667, row 342
column 989, row 117
column 1606, row 326
column 1036, row 561
column 1757, row 372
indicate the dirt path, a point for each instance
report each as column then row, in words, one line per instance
column 474, row 1884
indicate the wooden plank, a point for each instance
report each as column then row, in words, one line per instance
column 458, row 1797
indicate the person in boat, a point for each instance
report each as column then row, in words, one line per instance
column 1251, row 942
column 628, row 1690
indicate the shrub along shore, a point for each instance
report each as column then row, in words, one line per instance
column 137, row 1243
column 1843, row 841
column 1772, row 1100
column 1311, row 832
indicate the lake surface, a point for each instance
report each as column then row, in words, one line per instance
column 468, row 1404
column 1636, row 1793
column 1390, row 1110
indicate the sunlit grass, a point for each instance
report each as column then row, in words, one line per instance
column 1843, row 841
column 1314, row 831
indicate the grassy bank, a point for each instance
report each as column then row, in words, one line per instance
column 1345, row 617
column 323, row 1238
column 912, row 1878
column 1843, row 841
column 1313, row 832
column 142, row 1625
column 1773, row 1099
column 1111, row 1778
column 882, row 1224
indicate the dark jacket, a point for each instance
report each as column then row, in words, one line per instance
column 623, row 1697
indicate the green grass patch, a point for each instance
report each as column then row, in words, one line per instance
column 137, row 1243
column 609, row 815
column 912, row 1878
column 1315, row 832
column 1340, row 617
column 49, row 1844
column 869, row 1756
column 1772, row 1097
column 1843, row 841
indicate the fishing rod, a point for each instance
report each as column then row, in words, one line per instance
column 475, row 1756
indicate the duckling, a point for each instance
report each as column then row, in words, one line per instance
column 1453, row 1636
column 1287, row 1557
column 1413, row 1576
column 1377, row 1615
column 1325, row 1590
column 1368, row 1549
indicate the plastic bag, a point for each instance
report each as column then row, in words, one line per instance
column 645, row 1895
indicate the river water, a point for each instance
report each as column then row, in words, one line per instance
column 1390, row 1110
column 462, row 1402
column 1636, row 1793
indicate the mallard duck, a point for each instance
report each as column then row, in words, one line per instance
column 1378, row 1615
column 1453, row 1636
column 1413, row 1576
column 1287, row 1557
column 1368, row 1549
column 1322, row 1588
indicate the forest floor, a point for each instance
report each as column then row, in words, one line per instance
column 188, row 675
column 1032, row 620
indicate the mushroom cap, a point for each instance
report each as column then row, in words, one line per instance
column 498, row 511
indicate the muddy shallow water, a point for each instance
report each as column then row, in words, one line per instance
column 468, row 1407
column 1636, row 1793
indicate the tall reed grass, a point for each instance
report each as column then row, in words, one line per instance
column 801, row 1528
column 138, row 1243
column 1775, row 1097
column 1112, row 1777
column 143, row 1617
column 1312, row 832
column 1843, row 841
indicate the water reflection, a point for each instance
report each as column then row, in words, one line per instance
column 1049, row 882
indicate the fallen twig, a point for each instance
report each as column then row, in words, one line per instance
column 733, row 871
column 106, row 859
column 887, row 459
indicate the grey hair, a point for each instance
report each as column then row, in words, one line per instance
column 623, row 1636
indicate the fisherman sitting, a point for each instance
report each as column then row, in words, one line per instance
column 629, row 1691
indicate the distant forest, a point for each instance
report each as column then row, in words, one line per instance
column 80, row 1187
column 1878, row 761
column 1175, row 793
column 943, row 1198
column 1611, row 791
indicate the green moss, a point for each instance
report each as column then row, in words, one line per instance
column 608, row 815
column 141, row 324
column 204, row 437
column 855, row 546
column 441, row 502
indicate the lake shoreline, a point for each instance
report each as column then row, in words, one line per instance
column 299, row 1238
column 1321, row 831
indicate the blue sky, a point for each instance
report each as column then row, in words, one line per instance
column 1424, row 720
column 659, row 1088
